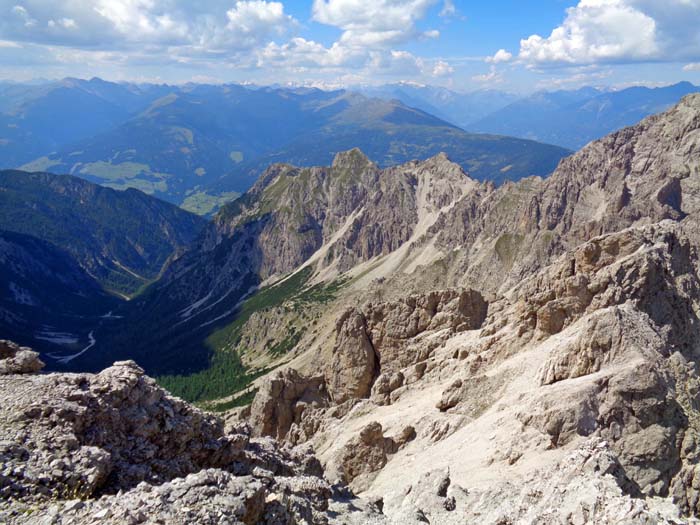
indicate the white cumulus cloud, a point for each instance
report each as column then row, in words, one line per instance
column 442, row 69
column 119, row 24
column 619, row 31
column 142, row 20
column 501, row 56
column 370, row 33
column 22, row 13
column 448, row 9
column 67, row 23
column 254, row 37
column 380, row 22
column 302, row 53
column 251, row 23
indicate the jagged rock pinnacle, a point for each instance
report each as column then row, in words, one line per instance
column 352, row 159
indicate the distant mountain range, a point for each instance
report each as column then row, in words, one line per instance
column 200, row 146
column 37, row 120
column 391, row 133
column 567, row 118
column 572, row 119
column 461, row 109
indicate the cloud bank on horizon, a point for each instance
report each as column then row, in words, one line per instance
column 345, row 42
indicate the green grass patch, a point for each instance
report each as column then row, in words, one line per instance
column 109, row 171
column 41, row 164
column 127, row 175
column 289, row 342
column 320, row 293
column 227, row 374
column 203, row 203
column 291, row 291
column 240, row 401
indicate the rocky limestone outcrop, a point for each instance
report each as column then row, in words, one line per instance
column 612, row 326
column 115, row 448
column 392, row 210
column 618, row 317
column 652, row 266
column 368, row 452
column 354, row 366
column 385, row 384
column 282, row 400
column 15, row 359
column 382, row 339
column 85, row 434
column 432, row 498
column 209, row 496
column 493, row 238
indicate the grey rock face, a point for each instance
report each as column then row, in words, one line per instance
column 354, row 365
column 116, row 447
column 639, row 175
column 633, row 296
column 583, row 488
column 282, row 401
column 117, row 425
column 379, row 339
column 369, row 451
column 15, row 359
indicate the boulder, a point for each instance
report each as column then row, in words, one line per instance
column 368, row 452
column 15, row 359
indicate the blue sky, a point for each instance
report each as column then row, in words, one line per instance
column 465, row 45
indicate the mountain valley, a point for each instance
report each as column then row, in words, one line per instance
column 450, row 349
column 345, row 262
column 73, row 251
